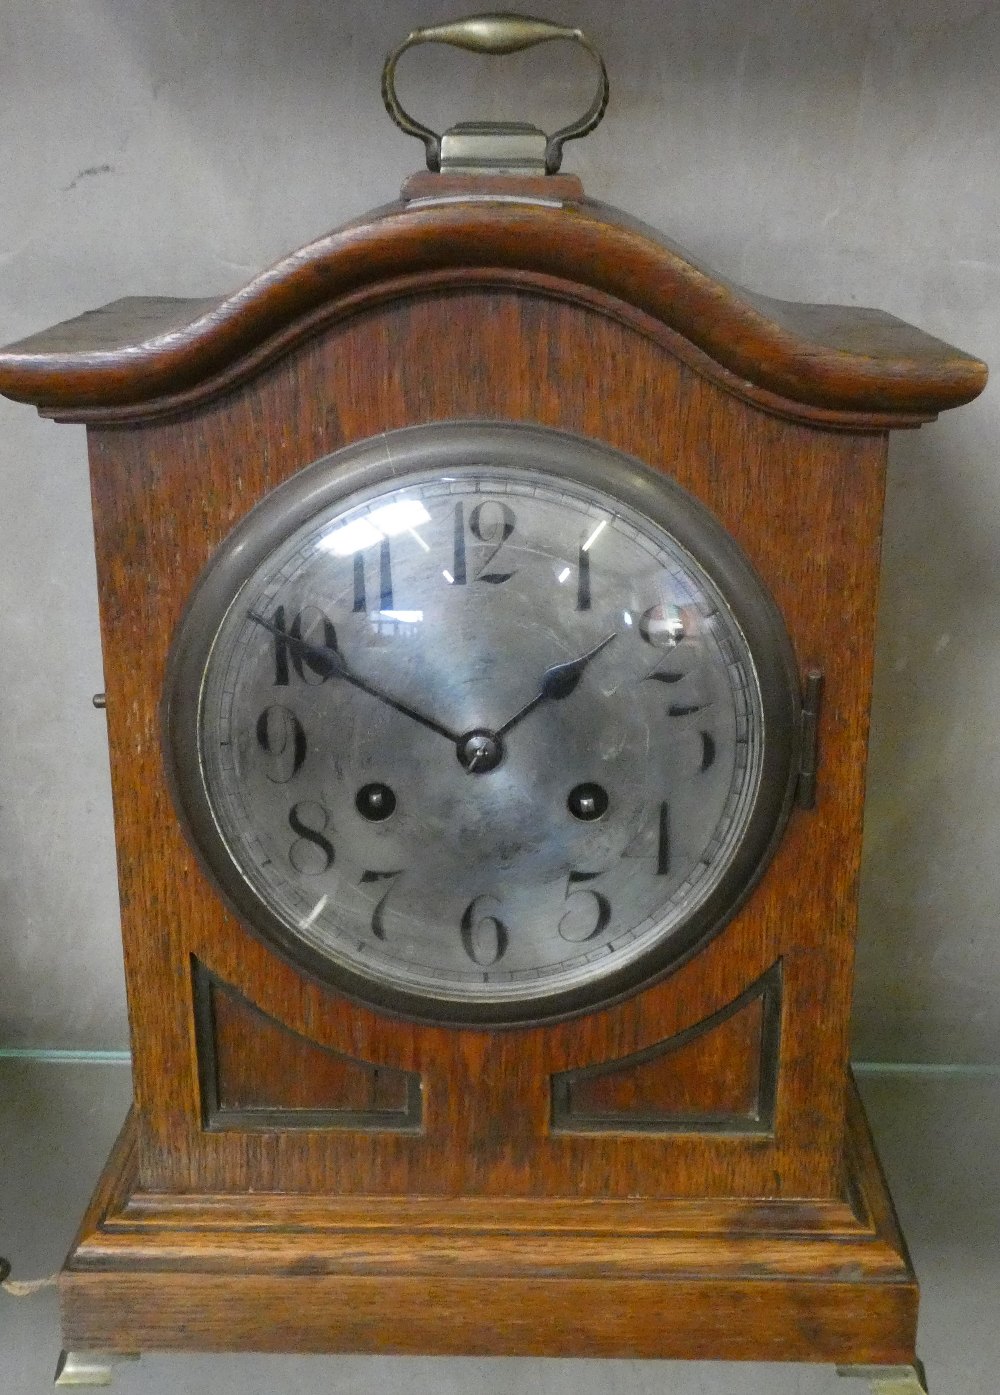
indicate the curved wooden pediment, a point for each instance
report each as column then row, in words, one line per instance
column 141, row 357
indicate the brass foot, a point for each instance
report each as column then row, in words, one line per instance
column 89, row 1367
column 890, row 1380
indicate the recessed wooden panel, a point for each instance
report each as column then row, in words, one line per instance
column 255, row 1073
column 718, row 1075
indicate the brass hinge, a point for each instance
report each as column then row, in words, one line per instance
column 805, row 793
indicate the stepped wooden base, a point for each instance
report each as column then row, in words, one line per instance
column 740, row 1280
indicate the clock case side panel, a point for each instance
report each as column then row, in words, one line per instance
column 803, row 501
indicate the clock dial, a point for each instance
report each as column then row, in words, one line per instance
column 492, row 732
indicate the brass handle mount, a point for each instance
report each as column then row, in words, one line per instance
column 497, row 35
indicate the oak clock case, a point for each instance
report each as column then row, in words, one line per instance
column 571, row 754
column 489, row 936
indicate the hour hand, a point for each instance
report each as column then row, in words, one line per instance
column 330, row 656
column 558, row 682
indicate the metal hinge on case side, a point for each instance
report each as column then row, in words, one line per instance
column 805, row 794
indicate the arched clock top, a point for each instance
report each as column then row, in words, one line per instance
column 832, row 365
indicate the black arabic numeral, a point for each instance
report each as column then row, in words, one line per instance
column 385, row 576
column 654, row 841
column 281, row 650
column 281, row 736
column 663, row 841
column 385, row 600
column 707, row 750
column 575, row 926
column 303, row 661
column 311, row 853
column 492, row 523
column 583, row 579
column 484, row 937
column 360, row 599
column 378, row 914
column 675, row 709
column 460, row 575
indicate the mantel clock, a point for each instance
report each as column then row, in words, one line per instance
column 487, row 596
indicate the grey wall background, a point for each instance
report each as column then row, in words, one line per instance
column 842, row 152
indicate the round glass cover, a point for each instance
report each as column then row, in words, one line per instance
column 482, row 723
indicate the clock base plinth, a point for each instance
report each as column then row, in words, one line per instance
column 743, row 1279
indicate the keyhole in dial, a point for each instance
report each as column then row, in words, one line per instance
column 587, row 801
column 375, row 802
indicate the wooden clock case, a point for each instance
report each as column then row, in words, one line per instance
column 687, row 1173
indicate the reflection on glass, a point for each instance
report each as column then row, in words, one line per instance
column 399, row 516
column 662, row 626
column 595, row 535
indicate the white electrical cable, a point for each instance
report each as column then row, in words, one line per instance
column 23, row 1288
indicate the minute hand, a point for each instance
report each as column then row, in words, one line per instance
column 558, row 682
column 334, row 658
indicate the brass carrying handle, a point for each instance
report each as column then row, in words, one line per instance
column 497, row 35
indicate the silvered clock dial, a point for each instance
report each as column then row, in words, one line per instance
column 482, row 722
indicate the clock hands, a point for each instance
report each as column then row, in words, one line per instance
column 331, row 657
column 482, row 750
column 557, row 683
column 479, row 750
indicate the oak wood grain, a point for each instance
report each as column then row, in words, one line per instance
column 804, row 503
column 266, row 1075
column 716, row 1073
column 162, row 1272
column 827, row 357
column 534, row 305
column 757, row 1320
